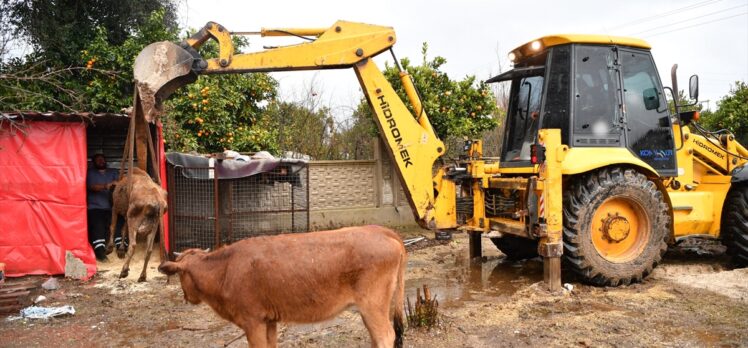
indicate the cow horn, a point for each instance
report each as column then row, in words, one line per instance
column 207, row 250
column 177, row 254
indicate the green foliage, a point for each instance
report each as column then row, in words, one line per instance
column 455, row 108
column 356, row 137
column 100, row 80
column 304, row 129
column 732, row 113
column 108, row 74
column 217, row 112
column 222, row 112
column 59, row 29
column 26, row 84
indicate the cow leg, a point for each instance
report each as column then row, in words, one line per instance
column 256, row 333
column 376, row 316
column 149, row 248
column 132, row 230
column 112, row 228
column 272, row 334
column 122, row 233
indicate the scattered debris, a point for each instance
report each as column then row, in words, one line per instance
column 74, row 267
column 233, row 155
column 40, row 298
column 413, row 240
column 14, row 296
column 426, row 312
column 234, row 339
column 51, row 284
column 35, row 312
column 262, row 155
column 568, row 286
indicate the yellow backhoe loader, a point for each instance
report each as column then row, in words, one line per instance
column 595, row 169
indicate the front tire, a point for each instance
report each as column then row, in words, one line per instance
column 616, row 224
column 735, row 224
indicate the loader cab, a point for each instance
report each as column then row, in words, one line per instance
column 601, row 91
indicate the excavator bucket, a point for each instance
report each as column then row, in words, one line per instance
column 159, row 70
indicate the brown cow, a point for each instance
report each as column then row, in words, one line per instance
column 301, row 278
column 142, row 212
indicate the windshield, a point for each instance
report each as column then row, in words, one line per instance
column 524, row 110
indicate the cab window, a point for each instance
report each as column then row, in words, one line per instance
column 595, row 81
column 649, row 133
column 524, row 111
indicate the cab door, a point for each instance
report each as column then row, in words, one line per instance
column 649, row 133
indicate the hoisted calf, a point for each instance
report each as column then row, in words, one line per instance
column 142, row 212
column 301, row 278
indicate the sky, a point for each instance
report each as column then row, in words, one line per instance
column 704, row 37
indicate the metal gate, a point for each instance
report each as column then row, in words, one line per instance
column 208, row 213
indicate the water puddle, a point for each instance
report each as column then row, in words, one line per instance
column 477, row 281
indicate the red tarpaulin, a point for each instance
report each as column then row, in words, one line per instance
column 43, row 198
column 162, row 173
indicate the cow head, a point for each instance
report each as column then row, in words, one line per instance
column 182, row 265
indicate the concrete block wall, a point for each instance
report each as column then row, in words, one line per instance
column 346, row 193
column 342, row 184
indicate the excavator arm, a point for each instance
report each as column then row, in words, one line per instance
column 163, row 67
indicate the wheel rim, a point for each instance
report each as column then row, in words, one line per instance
column 620, row 229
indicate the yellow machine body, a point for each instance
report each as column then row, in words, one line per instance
column 694, row 197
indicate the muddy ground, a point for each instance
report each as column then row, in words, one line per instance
column 693, row 299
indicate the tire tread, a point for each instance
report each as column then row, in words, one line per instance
column 581, row 193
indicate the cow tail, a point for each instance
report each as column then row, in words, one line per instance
column 399, row 305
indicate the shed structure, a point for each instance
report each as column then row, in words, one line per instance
column 44, row 158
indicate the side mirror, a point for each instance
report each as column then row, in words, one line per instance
column 693, row 87
column 651, row 98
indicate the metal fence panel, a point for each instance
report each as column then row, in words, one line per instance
column 213, row 212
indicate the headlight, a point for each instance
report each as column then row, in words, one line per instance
column 535, row 45
column 512, row 56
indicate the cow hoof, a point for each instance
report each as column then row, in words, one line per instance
column 121, row 253
column 124, row 273
column 109, row 249
column 141, row 279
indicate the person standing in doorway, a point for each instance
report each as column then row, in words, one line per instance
column 99, row 182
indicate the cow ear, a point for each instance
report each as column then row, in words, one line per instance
column 169, row 268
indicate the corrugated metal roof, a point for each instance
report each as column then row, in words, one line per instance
column 57, row 116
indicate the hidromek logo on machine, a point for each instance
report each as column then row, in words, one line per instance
column 708, row 148
column 404, row 155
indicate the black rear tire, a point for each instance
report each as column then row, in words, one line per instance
column 735, row 224
column 516, row 248
column 618, row 250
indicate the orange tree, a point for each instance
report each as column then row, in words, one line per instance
column 456, row 108
column 731, row 114
column 216, row 112
column 222, row 112
column 107, row 73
